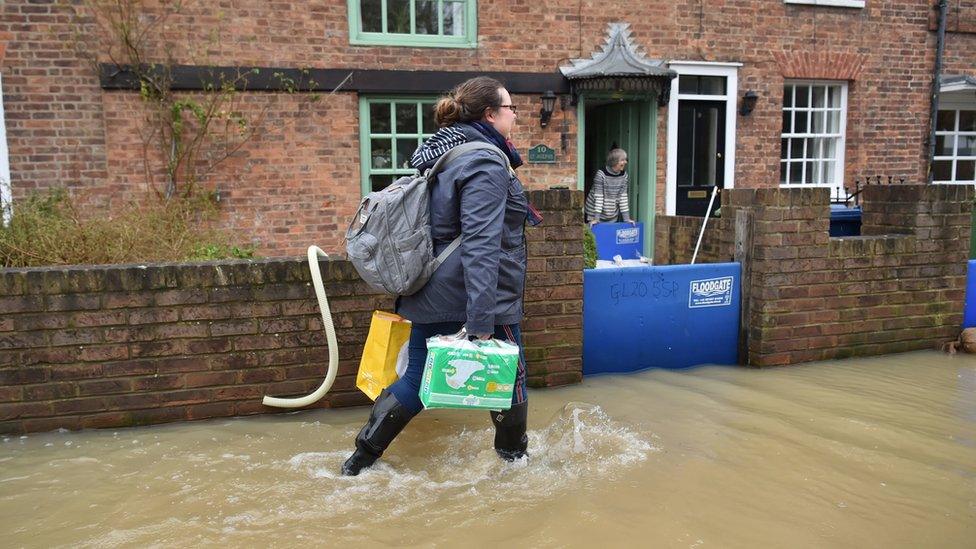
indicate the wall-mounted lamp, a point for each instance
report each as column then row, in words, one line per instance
column 748, row 103
column 548, row 103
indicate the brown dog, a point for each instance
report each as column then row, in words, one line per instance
column 966, row 342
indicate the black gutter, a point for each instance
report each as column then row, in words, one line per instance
column 937, row 84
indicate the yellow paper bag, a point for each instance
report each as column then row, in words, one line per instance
column 388, row 332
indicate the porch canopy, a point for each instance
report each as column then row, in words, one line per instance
column 957, row 83
column 621, row 66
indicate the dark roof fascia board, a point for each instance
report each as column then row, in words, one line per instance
column 273, row 79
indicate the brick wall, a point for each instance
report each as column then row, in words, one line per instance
column 675, row 238
column 814, row 297
column 64, row 130
column 111, row 346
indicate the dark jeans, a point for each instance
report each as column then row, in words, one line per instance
column 407, row 388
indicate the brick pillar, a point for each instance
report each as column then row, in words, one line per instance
column 553, row 324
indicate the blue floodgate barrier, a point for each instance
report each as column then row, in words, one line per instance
column 670, row 316
column 969, row 309
column 621, row 239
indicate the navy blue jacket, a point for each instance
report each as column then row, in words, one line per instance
column 482, row 282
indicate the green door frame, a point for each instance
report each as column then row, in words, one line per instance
column 647, row 160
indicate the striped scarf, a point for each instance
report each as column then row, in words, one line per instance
column 449, row 137
column 437, row 145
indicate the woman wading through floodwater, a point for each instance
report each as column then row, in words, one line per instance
column 479, row 287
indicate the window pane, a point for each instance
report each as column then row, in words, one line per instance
column 688, row 84
column 808, row 168
column 380, row 153
column 966, row 145
column 833, row 122
column 427, row 114
column 379, row 118
column 830, row 148
column 828, row 172
column 946, row 121
column 796, row 148
column 819, row 94
column 686, row 144
column 833, row 97
column 800, row 124
column 787, row 97
column 965, row 170
column 942, row 170
column 787, row 122
column 371, row 15
column 406, row 118
column 426, row 16
column 454, row 18
column 818, row 172
column 380, row 182
column 944, row 145
column 398, row 16
column 817, row 119
column 404, row 150
column 783, row 168
column 816, row 148
column 967, row 121
column 712, row 85
column 803, row 96
column 796, row 172
column 784, row 148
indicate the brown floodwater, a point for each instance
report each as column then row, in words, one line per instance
column 877, row 452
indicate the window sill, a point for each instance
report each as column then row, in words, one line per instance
column 830, row 3
column 410, row 42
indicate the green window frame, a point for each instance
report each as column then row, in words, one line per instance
column 413, row 22
column 390, row 130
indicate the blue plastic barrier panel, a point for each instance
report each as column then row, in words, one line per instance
column 969, row 309
column 621, row 239
column 669, row 316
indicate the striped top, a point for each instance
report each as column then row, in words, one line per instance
column 608, row 197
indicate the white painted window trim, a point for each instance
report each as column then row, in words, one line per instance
column 701, row 68
column 6, row 195
column 832, row 3
column 954, row 157
column 841, row 138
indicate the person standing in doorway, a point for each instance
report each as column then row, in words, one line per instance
column 480, row 286
column 608, row 201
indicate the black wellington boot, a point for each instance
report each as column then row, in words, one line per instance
column 387, row 418
column 510, row 438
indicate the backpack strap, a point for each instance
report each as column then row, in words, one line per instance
column 447, row 158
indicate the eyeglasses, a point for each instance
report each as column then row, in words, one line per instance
column 512, row 107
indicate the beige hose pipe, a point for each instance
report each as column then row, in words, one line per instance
column 314, row 253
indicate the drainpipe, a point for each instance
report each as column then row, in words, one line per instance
column 6, row 193
column 937, row 82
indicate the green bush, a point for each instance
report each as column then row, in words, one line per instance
column 47, row 229
column 589, row 248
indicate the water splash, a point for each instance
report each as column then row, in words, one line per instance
column 581, row 443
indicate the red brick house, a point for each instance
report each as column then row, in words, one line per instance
column 729, row 93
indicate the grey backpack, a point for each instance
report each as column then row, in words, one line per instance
column 389, row 241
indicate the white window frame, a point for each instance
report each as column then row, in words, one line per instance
column 831, row 3
column 701, row 68
column 957, row 101
column 6, row 194
column 841, row 136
